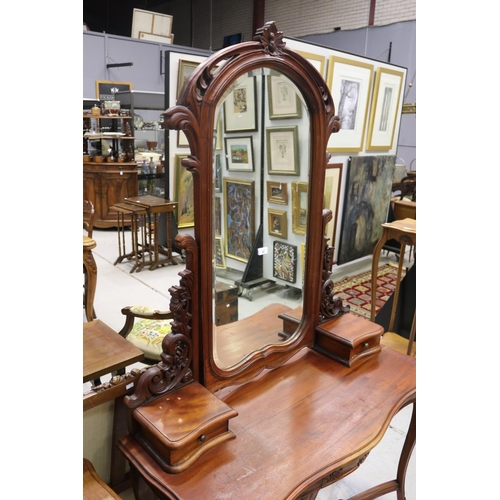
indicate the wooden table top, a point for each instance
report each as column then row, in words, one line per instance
column 105, row 351
column 154, row 204
column 296, row 425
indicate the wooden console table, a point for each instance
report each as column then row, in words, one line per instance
column 405, row 233
column 105, row 351
column 314, row 432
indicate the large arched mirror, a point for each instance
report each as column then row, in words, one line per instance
column 257, row 117
column 261, row 175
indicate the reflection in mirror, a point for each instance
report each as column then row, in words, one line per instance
column 260, row 174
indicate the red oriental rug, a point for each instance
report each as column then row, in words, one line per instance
column 357, row 290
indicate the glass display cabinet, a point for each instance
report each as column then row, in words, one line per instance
column 109, row 168
column 146, row 110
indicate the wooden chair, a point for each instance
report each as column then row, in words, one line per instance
column 88, row 226
column 148, row 332
column 94, row 488
column 408, row 187
column 88, row 217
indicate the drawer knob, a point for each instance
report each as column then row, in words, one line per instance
column 366, row 344
column 203, row 438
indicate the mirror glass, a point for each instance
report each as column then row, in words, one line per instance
column 261, row 166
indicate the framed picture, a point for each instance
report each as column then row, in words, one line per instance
column 239, row 220
column 218, row 175
column 277, row 225
column 218, row 216
column 385, row 108
column 303, row 259
column 283, row 99
column 105, row 90
column 240, row 112
column 218, row 142
column 366, row 203
column 285, row 261
column 299, row 207
column 239, row 154
column 283, row 150
column 317, row 60
column 184, row 194
column 185, row 70
column 182, row 141
column 220, row 259
column 277, row 192
column 333, row 180
column 350, row 84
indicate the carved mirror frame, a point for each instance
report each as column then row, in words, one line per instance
column 195, row 115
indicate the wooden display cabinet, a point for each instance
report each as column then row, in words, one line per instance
column 108, row 182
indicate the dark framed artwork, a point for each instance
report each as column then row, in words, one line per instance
column 277, row 192
column 366, row 204
column 239, row 154
column 239, row 221
column 218, row 217
column 285, row 261
column 218, row 174
column 277, row 223
column 283, row 150
column 240, row 111
column 283, row 99
column 220, row 259
column 105, row 89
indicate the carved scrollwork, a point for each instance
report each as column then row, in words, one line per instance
column 181, row 118
column 334, row 124
column 174, row 369
column 331, row 304
column 271, row 39
column 91, row 264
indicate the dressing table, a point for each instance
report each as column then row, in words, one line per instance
column 287, row 399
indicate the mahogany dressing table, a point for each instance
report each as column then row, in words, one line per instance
column 284, row 401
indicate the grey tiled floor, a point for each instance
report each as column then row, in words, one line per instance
column 117, row 288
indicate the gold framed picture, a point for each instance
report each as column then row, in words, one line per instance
column 277, row 192
column 105, row 90
column 239, row 218
column 185, row 70
column 299, row 207
column 385, row 109
column 350, row 83
column 277, row 223
column 184, row 194
column 317, row 60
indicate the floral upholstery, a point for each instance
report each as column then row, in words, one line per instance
column 147, row 334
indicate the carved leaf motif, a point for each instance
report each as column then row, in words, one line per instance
column 271, row 39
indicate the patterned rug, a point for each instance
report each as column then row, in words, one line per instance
column 356, row 290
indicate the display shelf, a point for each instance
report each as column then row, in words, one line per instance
column 105, row 182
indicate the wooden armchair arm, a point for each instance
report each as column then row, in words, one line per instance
column 132, row 312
